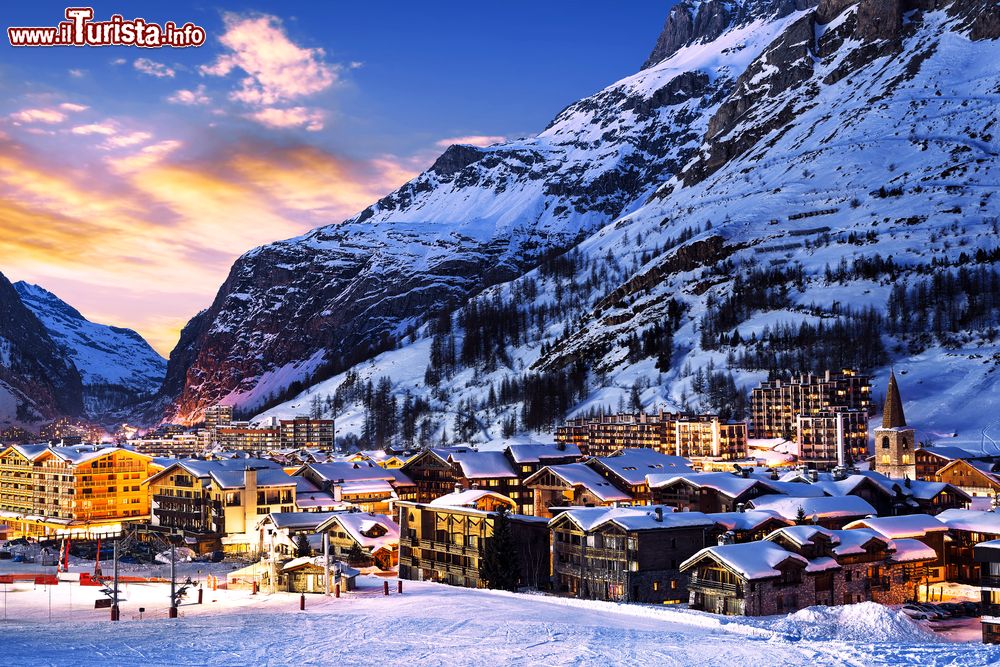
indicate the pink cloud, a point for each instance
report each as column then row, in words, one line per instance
column 190, row 97
column 277, row 70
column 94, row 128
column 311, row 119
column 480, row 140
column 49, row 116
column 153, row 68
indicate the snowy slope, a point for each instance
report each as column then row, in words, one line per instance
column 847, row 137
column 477, row 217
column 117, row 366
column 445, row 625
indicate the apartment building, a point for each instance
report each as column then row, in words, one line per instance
column 445, row 540
column 306, row 432
column 776, row 405
column 690, row 436
column 45, row 489
column 831, row 438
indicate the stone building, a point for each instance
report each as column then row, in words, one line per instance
column 625, row 554
column 895, row 442
column 801, row 566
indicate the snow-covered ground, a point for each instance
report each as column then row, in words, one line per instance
column 433, row 624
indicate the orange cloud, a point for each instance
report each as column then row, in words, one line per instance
column 311, row 119
column 147, row 241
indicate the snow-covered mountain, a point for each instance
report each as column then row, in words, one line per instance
column 479, row 216
column 36, row 381
column 813, row 186
column 117, row 366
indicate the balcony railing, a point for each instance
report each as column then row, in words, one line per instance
column 709, row 584
column 991, row 581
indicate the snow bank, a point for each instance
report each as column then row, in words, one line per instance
column 862, row 622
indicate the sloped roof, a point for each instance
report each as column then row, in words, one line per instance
column 909, row 550
column 483, row 465
column 298, row 520
column 350, row 471
column 579, row 474
column 726, row 483
column 632, row 465
column 467, row 498
column 821, row 507
column 236, row 479
column 529, row 453
column 748, row 520
column 633, row 518
column 804, row 535
column 358, row 524
column 910, row 525
column 752, row 560
column 974, row 521
column 892, row 414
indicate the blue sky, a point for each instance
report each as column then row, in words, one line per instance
column 130, row 179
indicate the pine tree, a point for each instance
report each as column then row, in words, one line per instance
column 302, row 547
column 498, row 568
column 800, row 516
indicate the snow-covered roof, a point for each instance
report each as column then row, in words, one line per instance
column 804, row 535
column 530, row 453
column 797, row 489
column 726, row 483
column 854, row 541
column 350, row 471
column 821, row 507
column 973, row 521
column 236, row 479
column 748, row 520
column 751, row 560
column 632, row 465
column 297, row 520
column 372, row 531
column 909, row 550
column 579, row 474
column 483, row 465
column 380, row 486
column 468, row 498
column 910, row 525
column 948, row 452
column 634, row 518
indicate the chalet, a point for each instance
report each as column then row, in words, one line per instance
column 571, row 485
column 445, row 540
column 987, row 557
column 930, row 459
column 629, row 468
column 363, row 538
column 705, row 491
column 308, row 575
column 888, row 496
column 966, row 529
column 278, row 532
column 976, row 478
column 800, row 566
column 922, row 527
column 826, row 511
column 625, row 554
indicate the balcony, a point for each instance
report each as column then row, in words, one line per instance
column 991, row 581
column 715, row 586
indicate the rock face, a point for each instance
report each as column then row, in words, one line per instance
column 305, row 308
column 117, row 366
column 36, row 382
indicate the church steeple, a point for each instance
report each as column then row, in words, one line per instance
column 892, row 414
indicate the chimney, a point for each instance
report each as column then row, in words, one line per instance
column 458, row 487
column 774, row 475
column 726, row 538
column 741, row 507
column 250, row 497
column 338, row 493
column 659, row 514
column 814, row 475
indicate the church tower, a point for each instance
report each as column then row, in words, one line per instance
column 894, row 440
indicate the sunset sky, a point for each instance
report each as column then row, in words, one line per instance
column 130, row 178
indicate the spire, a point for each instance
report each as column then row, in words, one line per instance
column 892, row 414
